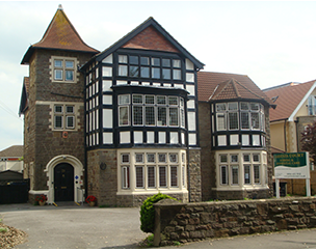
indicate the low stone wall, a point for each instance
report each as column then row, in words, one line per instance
column 187, row 222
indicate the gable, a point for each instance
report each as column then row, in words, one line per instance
column 287, row 98
column 150, row 39
column 150, row 35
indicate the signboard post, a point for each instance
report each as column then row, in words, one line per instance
column 292, row 166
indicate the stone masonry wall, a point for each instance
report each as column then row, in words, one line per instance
column 194, row 177
column 207, row 156
column 41, row 143
column 197, row 221
column 138, row 200
column 102, row 183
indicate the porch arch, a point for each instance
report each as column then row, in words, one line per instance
column 78, row 172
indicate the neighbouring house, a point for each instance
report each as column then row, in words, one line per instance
column 11, row 159
column 128, row 122
column 236, row 160
column 295, row 109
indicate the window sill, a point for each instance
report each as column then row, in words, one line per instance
column 239, row 188
column 146, row 192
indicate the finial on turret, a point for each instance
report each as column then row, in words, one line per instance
column 60, row 7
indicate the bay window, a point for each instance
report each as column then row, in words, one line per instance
column 151, row 110
column 250, row 166
column 243, row 115
column 152, row 171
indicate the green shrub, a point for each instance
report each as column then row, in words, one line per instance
column 147, row 212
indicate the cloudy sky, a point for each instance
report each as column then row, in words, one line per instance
column 273, row 42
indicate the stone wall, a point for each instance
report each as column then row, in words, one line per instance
column 138, row 200
column 102, row 183
column 41, row 144
column 194, row 175
column 197, row 221
column 208, row 167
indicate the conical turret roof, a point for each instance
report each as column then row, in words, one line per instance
column 60, row 35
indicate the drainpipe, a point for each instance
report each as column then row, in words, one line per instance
column 296, row 129
column 188, row 154
column 285, row 144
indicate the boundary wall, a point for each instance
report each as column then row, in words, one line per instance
column 187, row 222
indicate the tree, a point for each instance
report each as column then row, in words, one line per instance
column 309, row 140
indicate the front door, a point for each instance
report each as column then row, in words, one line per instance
column 64, row 182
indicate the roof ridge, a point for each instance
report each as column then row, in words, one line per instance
column 249, row 90
column 225, row 83
column 234, row 81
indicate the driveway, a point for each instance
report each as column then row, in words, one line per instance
column 70, row 226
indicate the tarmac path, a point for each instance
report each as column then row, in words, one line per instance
column 72, row 226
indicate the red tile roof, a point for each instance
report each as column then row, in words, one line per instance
column 222, row 86
column 287, row 98
column 60, row 34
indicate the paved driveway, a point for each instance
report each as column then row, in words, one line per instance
column 70, row 226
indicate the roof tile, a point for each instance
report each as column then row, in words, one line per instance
column 222, row 86
column 13, row 151
column 287, row 98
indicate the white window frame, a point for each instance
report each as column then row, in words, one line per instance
column 64, row 69
column 65, row 116
column 255, row 158
column 173, row 163
column 223, row 112
column 129, row 105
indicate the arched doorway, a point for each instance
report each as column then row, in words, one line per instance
column 64, row 182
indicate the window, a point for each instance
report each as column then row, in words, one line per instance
column 151, row 110
column 63, row 69
column 247, row 174
column 134, row 66
column 312, row 105
column 152, row 170
column 256, row 170
column 162, row 176
column 243, row 115
column 64, row 117
column 224, row 175
column 125, row 177
column 248, row 165
column 139, row 177
column 174, row 176
column 234, row 175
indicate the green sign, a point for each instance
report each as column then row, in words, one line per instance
column 292, row 160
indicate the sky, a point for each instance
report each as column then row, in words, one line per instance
column 273, row 42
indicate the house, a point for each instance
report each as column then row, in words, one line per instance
column 52, row 103
column 11, row 159
column 234, row 137
column 126, row 123
column 295, row 109
column 115, row 123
